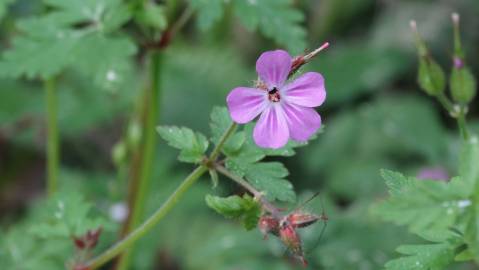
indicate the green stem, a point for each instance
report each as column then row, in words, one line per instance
column 215, row 153
column 445, row 102
column 148, row 153
column 165, row 208
column 149, row 224
column 257, row 194
column 52, row 136
column 461, row 122
column 458, row 112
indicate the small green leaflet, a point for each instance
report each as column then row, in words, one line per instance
column 68, row 215
column 268, row 177
column 423, row 257
column 53, row 42
column 424, row 205
column 192, row 145
column 245, row 208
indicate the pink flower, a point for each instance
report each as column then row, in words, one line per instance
column 285, row 109
column 433, row 173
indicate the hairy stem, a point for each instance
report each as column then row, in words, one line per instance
column 150, row 223
column 147, row 152
column 165, row 208
column 215, row 153
column 53, row 156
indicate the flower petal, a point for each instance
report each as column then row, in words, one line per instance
column 271, row 131
column 246, row 103
column 302, row 121
column 273, row 67
column 307, row 90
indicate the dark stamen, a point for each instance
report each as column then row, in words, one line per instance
column 273, row 91
column 273, row 95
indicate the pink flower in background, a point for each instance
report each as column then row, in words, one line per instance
column 437, row 173
column 285, row 109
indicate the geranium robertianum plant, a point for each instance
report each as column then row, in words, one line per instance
column 287, row 121
column 444, row 213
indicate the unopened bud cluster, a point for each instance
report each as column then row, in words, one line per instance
column 431, row 77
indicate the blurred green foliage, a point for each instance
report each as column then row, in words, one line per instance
column 374, row 118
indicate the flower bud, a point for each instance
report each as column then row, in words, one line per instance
column 463, row 85
column 292, row 241
column 431, row 77
column 268, row 224
column 301, row 220
column 462, row 82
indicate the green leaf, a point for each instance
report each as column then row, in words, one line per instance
column 68, row 215
column 276, row 19
column 423, row 257
column 192, row 145
column 209, row 12
column 426, row 206
column 220, row 122
column 268, row 177
column 395, row 181
column 246, row 208
column 51, row 43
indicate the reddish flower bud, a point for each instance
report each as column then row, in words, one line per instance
column 268, row 224
column 301, row 220
column 92, row 237
column 79, row 243
column 292, row 241
column 89, row 240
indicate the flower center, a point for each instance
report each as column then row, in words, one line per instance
column 273, row 95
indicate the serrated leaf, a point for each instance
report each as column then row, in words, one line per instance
column 245, row 208
column 424, row 205
column 51, row 43
column 209, row 12
column 276, row 19
column 192, row 145
column 395, row 181
column 268, row 177
column 423, row 257
column 69, row 216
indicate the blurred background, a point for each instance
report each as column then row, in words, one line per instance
column 375, row 117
